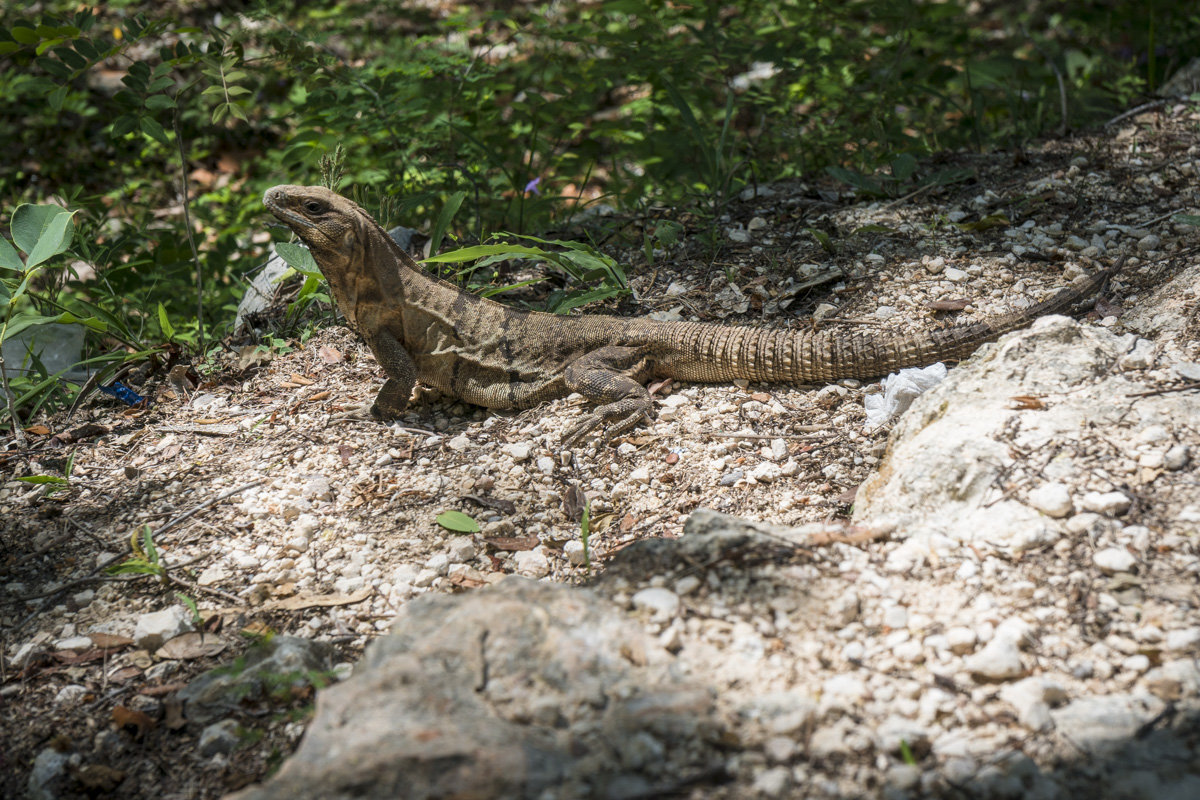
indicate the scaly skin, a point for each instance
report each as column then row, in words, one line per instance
column 422, row 328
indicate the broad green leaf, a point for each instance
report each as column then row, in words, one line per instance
column 87, row 49
column 904, row 166
column 296, row 256
column 24, row 35
column 25, row 319
column 56, row 68
column 91, row 323
column 165, row 323
column 42, row 231
column 157, row 102
column 458, row 522
column 9, row 258
column 123, row 125
column 58, row 97
column 154, row 130
column 8, row 47
column 71, row 58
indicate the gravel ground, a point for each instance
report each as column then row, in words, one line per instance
column 322, row 529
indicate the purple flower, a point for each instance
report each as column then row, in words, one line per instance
column 532, row 186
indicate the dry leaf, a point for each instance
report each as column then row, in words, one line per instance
column 99, row 777
column 302, row 601
column 38, row 430
column 330, row 355
column 949, row 305
column 127, row 719
column 761, row 397
column 466, row 581
column 573, row 502
column 300, row 379
column 846, row 498
column 124, row 674
column 511, row 544
column 1027, row 402
column 627, row 523
column 173, row 713
column 190, row 645
column 319, row 396
column 109, row 640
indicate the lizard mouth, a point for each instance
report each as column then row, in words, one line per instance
column 272, row 200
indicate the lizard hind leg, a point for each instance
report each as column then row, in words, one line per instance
column 608, row 376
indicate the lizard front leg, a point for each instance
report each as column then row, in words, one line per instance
column 603, row 376
column 401, row 375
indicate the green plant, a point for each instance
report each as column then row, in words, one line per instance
column 145, row 560
column 585, row 534
column 600, row 276
column 457, row 521
column 53, row 483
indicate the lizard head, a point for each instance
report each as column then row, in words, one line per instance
column 331, row 225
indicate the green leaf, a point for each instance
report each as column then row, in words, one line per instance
column 238, row 112
column 42, row 231
column 822, row 238
column 904, row 166
column 87, row 49
column 165, row 323
column 8, row 47
column 56, row 68
column 1186, row 219
column 481, row 250
column 987, row 223
column 296, row 256
column 458, row 522
column 158, row 102
column 69, row 57
column 453, row 203
column 577, row 299
column 159, row 84
column 9, row 258
column 58, row 97
column 123, row 125
column 24, row 35
column 46, row 45
column 155, row 131
column 25, row 319
column 43, row 479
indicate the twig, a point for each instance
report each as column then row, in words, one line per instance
column 95, row 575
column 187, row 222
column 1167, row 390
column 1133, row 112
column 207, row 503
column 803, row 428
column 195, row 587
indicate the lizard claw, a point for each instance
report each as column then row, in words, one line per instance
column 628, row 414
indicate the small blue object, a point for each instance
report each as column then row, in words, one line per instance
column 123, row 393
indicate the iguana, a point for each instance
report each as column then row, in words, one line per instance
column 422, row 328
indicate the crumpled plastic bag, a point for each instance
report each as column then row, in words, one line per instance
column 899, row 390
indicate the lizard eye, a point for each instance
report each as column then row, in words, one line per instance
column 314, row 206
